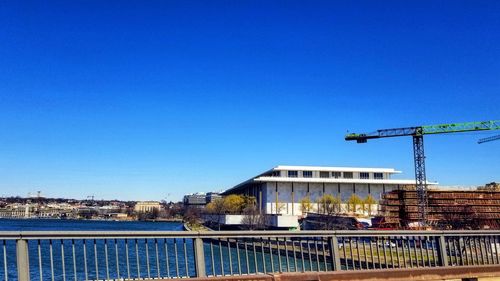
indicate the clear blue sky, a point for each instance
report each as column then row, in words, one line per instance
column 141, row 99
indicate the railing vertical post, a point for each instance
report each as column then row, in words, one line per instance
column 199, row 257
column 23, row 267
column 443, row 256
column 334, row 253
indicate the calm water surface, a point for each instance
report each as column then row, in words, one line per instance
column 46, row 259
column 85, row 225
column 93, row 259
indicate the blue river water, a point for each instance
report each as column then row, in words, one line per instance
column 46, row 257
column 96, row 259
column 85, row 225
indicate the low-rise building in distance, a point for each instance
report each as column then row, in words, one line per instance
column 211, row 196
column 147, row 206
column 61, row 208
column 199, row 199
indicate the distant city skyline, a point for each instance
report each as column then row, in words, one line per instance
column 136, row 101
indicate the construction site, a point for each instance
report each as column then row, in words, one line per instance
column 446, row 209
column 418, row 206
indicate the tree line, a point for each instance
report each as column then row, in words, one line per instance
column 235, row 204
column 332, row 205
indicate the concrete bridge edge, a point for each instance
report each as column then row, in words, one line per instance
column 465, row 273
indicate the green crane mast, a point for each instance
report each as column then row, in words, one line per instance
column 417, row 133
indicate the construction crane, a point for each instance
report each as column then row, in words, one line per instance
column 91, row 197
column 418, row 133
column 492, row 138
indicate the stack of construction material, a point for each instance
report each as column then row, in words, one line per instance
column 462, row 209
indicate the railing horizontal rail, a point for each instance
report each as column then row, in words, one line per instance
column 116, row 255
column 202, row 234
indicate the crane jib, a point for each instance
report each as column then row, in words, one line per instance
column 461, row 127
column 426, row 130
column 492, row 138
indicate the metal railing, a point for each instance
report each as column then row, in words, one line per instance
column 158, row 255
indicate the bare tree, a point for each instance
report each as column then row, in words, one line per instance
column 216, row 209
column 232, row 204
column 330, row 207
column 252, row 218
column 192, row 216
column 305, row 205
column 369, row 201
column 330, row 204
column 353, row 203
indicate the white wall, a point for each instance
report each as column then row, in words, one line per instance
column 285, row 221
column 315, row 192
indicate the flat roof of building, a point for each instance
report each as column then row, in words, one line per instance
column 334, row 180
column 335, row 169
column 264, row 177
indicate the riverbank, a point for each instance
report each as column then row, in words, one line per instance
column 195, row 227
column 164, row 220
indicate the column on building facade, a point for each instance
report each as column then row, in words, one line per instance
column 260, row 199
column 277, row 199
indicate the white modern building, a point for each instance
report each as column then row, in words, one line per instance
column 278, row 191
column 199, row 199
